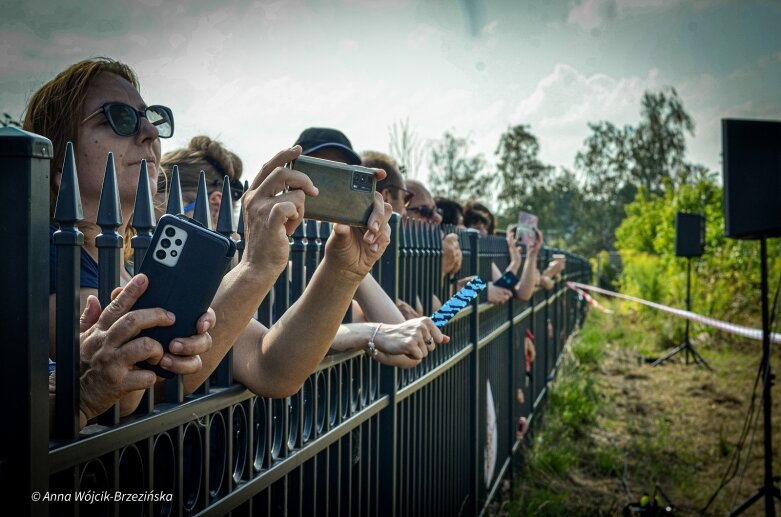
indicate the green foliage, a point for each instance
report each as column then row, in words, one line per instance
column 454, row 173
column 520, row 171
column 725, row 280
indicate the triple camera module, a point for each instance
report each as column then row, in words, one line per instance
column 170, row 245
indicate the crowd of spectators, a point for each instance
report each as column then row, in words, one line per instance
column 96, row 105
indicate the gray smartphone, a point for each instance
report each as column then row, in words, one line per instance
column 346, row 191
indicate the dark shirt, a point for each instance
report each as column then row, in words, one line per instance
column 88, row 272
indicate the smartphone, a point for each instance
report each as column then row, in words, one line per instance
column 185, row 264
column 526, row 231
column 346, row 191
column 461, row 299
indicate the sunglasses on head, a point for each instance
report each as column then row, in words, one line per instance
column 125, row 120
column 425, row 211
column 407, row 194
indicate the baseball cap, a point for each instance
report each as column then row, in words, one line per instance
column 314, row 138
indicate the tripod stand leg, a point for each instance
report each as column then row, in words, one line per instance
column 699, row 359
column 748, row 502
column 673, row 352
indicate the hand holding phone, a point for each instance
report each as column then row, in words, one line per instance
column 527, row 226
column 185, row 264
column 459, row 300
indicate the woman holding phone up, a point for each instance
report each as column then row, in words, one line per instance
column 96, row 104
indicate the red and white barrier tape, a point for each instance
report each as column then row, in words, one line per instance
column 589, row 299
column 722, row 325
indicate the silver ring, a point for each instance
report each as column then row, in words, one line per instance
column 429, row 341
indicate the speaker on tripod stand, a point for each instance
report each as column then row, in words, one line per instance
column 752, row 210
column 689, row 243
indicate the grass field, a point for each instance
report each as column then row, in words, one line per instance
column 616, row 428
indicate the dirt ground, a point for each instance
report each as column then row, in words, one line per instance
column 674, row 428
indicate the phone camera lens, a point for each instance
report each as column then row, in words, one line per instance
column 165, row 243
column 174, row 253
column 160, row 254
column 170, row 231
column 178, row 242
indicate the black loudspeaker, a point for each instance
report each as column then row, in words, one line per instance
column 689, row 235
column 752, row 178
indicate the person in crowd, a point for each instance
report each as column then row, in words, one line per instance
column 210, row 156
column 529, row 279
column 474, row 209
column 96, row 104
column 477, row 220
column 452, row 213
column 393, row 188
column 398, row 341
column 422, row 207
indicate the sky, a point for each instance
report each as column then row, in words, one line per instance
column 254, row 74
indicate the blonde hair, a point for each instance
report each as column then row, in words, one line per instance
column 201, row 154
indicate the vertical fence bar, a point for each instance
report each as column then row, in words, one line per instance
column 473, row 505
column 387, row 488
column 201, row 211
column 226, row 228
column 143, row 223
column 68, row 241
column 24, row 198
column 109, row 243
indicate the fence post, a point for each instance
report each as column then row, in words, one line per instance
column 474, row 374
column 388, row 440
column 25, row 161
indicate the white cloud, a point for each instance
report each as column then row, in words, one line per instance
column 423, row 35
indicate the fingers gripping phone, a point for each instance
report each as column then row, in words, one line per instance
column 185, row 264
column 346, row 191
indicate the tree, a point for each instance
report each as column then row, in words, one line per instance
column 520, row 169
column 454, row 173
column 617, row 163
column 406, row 147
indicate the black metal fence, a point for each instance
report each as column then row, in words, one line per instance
column 359, row 438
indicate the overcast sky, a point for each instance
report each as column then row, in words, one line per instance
column 254, row 74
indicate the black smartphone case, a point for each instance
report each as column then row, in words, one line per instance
column 187, row 288
column 346, row 191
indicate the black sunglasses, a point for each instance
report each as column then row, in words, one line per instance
column 425, row 211
column 407, row 194
column 125, row 120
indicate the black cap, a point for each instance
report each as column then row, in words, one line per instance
column 314, row 138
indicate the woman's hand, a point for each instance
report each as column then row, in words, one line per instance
column 353, row 251
column 413, row 340
column 110, row 349
column 273, row 208
column 498, row 295
column 515, row 253
column 451, row 255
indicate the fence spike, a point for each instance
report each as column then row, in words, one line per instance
column 201, row 210
column 109, row 207
column 143, row 211
column 225, row 217
column 68, row 208
column 175, row 204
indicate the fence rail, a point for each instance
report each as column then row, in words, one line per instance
column 359, row 438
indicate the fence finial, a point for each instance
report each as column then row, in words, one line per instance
column 201, row 210
column 68, row 208
column 143, row 211
column 109, row 207
column 225, row 217
column 175, row 205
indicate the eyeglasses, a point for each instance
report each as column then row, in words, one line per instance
column 407, row 194
column 125, row 120
column 425, row 211
column 237, row 190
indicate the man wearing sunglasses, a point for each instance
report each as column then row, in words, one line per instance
column 422, row 207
